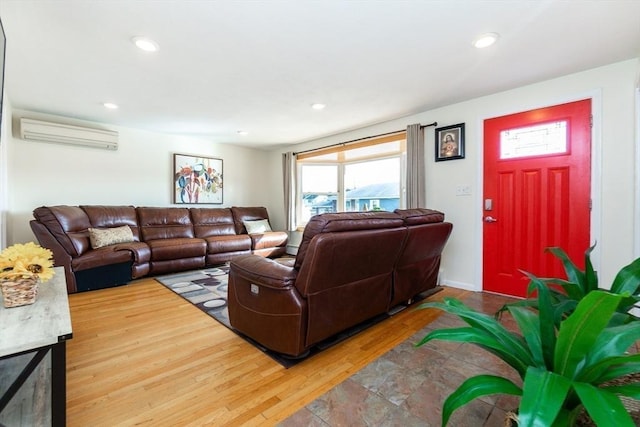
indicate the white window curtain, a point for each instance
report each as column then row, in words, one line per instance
column 416, row 193
column 288, row 175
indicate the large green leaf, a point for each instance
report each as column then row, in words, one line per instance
column 611, row 368
column 627, row 280
column 529, row 324
column 613, row 341
column 480, row 338
column 574, row 274
column 580, row 330
column 546, row 313
column 630, row 390
column 543, row 394
column 514, row 343
column 589, row 272
column 604, row 408
column 474, row 387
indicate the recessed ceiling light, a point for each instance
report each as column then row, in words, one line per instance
column 110, row 105
column 243, row 132
column 318, row 106
column 485, row 40
column 145, row 44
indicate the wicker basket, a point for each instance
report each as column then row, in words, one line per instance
column 19, row 291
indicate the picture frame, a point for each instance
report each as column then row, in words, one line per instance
column 197, row 179
column 450, row 142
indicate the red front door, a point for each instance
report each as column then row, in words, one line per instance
column 537, row 184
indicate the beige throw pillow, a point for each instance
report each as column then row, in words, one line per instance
column 257, row 227
column 100, row 237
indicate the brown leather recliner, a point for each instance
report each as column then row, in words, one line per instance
column 344, row 273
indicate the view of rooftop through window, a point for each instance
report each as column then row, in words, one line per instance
column 360, row 179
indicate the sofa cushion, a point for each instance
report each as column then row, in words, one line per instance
column 224, row 244
column 420, row 216
column 102, row 216
column 270, row 239
column 164, row 223
column 100, row 237
column 208, row 222
column 241, row 214
column 68, row 224
column 176, row 249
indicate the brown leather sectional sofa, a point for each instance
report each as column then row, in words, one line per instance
column 154, row 240
column 350, row 267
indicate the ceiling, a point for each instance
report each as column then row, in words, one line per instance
column 257, row 66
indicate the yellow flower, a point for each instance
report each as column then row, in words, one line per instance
column 26, row 260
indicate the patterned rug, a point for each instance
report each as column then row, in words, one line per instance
column 207, row 290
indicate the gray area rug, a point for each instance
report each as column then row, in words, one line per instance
column 206, row 289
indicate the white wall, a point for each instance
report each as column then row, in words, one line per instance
column 139, row 173
column 613, row 222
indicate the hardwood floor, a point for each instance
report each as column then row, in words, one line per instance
column 142, row 355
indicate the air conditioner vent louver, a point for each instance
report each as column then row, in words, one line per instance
column 37, row 130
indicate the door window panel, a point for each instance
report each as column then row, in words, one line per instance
column 537, row 140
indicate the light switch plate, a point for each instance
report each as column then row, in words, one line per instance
column 463, row 190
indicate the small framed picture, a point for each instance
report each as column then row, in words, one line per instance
column 450, row 142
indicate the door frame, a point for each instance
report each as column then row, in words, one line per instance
column 596, row 173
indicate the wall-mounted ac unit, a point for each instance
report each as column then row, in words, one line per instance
column 37, row 130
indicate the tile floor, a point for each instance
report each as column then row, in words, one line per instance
column 407, row 386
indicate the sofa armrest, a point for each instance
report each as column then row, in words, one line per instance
column 265, row 305
column 263, row 271
column 139, row 250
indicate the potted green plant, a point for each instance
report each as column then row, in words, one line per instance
column 564, row 366
column 566, row 293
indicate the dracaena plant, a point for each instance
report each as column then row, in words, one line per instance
column 566, row 293
column 563, row 369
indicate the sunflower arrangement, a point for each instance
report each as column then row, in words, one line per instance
column 26, row 260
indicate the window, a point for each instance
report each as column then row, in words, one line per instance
column 537, row 140
column 368, row 175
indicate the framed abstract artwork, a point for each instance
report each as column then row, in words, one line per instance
column 450, row 142
column 197, row 179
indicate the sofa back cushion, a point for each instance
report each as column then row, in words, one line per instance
column 242, row 214
column 113, row 216
column 209, row 222
column 68, row 224
column 420, row 216
column 164, row 223
column 341, row 222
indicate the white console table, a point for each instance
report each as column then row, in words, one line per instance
column 39, row 328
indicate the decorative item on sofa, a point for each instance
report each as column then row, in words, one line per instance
column 22, row 266
column 197, row 179
column 257, row 226
column 100, row 237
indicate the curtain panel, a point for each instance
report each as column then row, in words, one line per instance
column 289, row 185
column 416, row 192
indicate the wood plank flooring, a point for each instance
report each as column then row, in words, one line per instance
column 142, row 355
